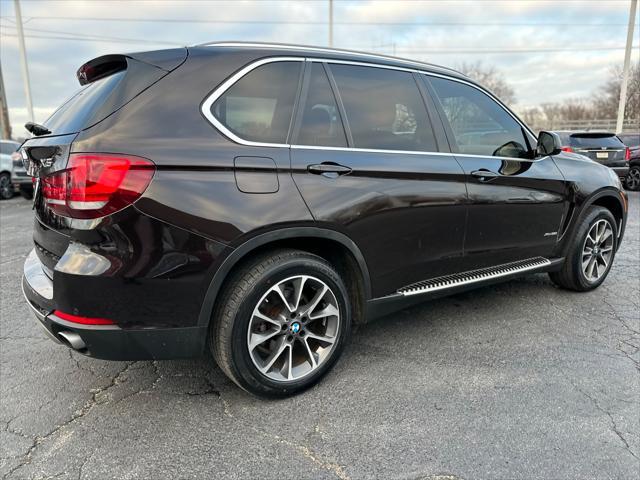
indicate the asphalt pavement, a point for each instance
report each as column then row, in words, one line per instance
column 516, row 381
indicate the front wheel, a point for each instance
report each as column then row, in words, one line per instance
column 632, row 181
column 282, row 322
column 591, row 252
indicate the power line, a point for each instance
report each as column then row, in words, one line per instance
column 71, row 35
column 445, row 50
column 104, row 40
column 319, row 22
column 510, row 50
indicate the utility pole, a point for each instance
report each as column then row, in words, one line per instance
column 627, row 61
column 23, row 60
column 4, row 111
column 331, row 23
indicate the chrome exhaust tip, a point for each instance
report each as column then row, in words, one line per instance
column 73, row 340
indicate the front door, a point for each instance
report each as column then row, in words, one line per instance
column 367, row 163
column 516, row 203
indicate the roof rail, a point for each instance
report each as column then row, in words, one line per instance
column 311, row 48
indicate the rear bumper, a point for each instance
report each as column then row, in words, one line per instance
column 21, row 179
column 108, row 342
column 621, row 171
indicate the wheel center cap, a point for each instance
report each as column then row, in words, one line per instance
column 295, row 327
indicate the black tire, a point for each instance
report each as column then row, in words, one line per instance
column 26, row 192
column 243, row 292
column 632, row 182
column 572, row 276
column 6, row 189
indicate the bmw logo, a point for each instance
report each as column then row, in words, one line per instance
column 295, row 327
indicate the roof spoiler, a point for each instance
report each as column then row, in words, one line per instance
column 107, row 65
column 101, row 67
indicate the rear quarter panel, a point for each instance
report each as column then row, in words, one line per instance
column 192, row 206
column 195, row 186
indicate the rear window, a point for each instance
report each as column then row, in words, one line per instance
column 74, row 114
column 595, row 141
column 259, row 106
column 97, row 100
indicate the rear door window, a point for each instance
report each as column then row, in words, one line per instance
column 258, row 107
column 321, row 124
column 480, row 126
column 384, row 108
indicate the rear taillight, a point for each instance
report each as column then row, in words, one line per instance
column 627, row 154
column 566, row 149
column 95, row 185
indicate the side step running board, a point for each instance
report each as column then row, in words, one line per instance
column 474, row 276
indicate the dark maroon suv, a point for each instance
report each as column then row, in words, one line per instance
column 252, row 202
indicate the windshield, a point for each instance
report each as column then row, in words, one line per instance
column 7, row 148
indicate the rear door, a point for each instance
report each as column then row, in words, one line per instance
column 366, row 160
column 516, row 204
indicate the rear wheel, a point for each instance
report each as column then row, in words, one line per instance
column 591, row 253
column 6, row 189
column 283, row 321
column 632, row 181
column 26, row 192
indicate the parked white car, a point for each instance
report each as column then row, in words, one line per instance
column 7, row 166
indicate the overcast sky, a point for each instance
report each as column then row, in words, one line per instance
column 554, row 49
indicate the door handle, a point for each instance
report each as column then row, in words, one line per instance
column 331, row 170
column 485, row 175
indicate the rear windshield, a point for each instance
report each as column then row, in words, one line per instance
column 97, row 100
column 74, row 114
column 595, row 141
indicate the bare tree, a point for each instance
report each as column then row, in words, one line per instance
column 602, row 104
column 489, row 77
column 534, row 117
column 606, row 101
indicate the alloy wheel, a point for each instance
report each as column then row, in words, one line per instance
column 633, row 179
column 294, row 328
column 597, row 250
column 6, row 191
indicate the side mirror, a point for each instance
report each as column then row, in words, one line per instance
column 549, row 143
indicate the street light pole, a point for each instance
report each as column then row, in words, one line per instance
column 627, row 61
column 5, row 125
column 23, row 60
column 331, row 23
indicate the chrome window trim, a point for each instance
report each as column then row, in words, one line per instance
column 411, row 152
column 303, row 48
column 368, row 150
column 598, row 149
column 207, row 105
column 224, row 86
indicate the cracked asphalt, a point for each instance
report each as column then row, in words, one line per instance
column 515, row 381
